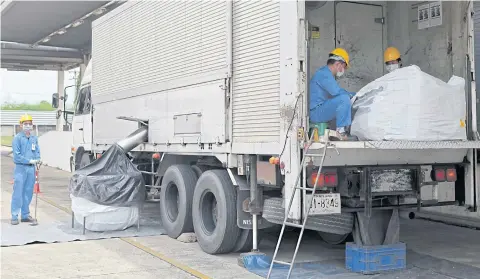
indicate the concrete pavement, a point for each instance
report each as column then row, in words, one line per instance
column 433, row 246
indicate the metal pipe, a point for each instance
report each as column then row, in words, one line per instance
column 407, row 214
column 13, row 45
column 254, row 198
column 134, row 139
column 152, row 176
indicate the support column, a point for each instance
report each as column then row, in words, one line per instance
column 61, row 106
column 82, row 70
column 254, row 199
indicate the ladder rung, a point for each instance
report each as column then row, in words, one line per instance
column 314, row 155
column 304, row 188
column 281, row 262
column 293, row 225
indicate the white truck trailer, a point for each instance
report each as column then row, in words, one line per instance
column 223, row 86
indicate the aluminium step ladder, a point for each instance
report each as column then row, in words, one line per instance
column 300, row 188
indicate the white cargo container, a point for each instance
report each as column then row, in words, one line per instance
column 222, row 86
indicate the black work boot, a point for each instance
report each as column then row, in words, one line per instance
column 29, row 219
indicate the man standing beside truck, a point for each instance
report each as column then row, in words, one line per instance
column 26, row 154
column 327, row 99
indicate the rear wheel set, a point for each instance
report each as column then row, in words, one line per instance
column 197, row 199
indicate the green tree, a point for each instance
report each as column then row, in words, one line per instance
column 42, row 106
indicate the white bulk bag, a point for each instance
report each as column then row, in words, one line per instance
column 102, row 218
column 408, row 104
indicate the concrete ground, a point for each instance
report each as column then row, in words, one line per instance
column 433, row 246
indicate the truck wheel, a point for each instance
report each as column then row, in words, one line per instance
column 334, row 239
column 199, row 169
column 215, row 213
column 86, row 160
column 176, row 196
column 245, row 241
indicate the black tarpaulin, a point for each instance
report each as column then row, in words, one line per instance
column 110, row 180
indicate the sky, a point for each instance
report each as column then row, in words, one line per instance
column 32, row 86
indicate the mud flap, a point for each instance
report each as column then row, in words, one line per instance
column 382, row 228
column 244, row 218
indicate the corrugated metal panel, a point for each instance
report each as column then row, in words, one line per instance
column 48, row 118
column 152, row 42
column 256, row 71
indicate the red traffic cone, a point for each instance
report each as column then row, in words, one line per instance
column 36, row 186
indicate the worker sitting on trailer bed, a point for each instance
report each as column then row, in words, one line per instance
column 327, row 100
column 392, row 59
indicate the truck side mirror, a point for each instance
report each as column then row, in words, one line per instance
column 55, row 100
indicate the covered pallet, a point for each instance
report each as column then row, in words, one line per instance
column 408, row 104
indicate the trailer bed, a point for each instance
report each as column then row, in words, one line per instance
column 368, row 153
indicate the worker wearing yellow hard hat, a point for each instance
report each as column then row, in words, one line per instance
column 26, row 154
column 328, row 100
column 392, row 59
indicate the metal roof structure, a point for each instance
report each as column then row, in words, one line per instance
column 48, row 35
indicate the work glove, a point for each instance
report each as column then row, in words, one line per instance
column 32, row 162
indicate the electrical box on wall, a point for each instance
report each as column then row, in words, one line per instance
column 429, row 15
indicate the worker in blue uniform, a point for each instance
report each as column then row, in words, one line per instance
column 327, row 99
column 26, row 154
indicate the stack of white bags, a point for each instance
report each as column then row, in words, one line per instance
column 408, row 104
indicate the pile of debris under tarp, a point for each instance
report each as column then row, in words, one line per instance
column 408, row 104
column 109, row 193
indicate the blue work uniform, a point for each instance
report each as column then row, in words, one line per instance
column 328, row 100
column 24, row 149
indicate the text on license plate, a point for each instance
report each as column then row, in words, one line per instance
column 326, row 204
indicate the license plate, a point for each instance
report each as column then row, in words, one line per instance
column 324, row 204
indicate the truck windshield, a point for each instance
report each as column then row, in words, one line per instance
column 83, row 104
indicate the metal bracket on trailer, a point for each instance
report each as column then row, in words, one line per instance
column 366, row 188
column 141, row 121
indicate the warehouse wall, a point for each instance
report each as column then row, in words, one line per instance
column 330, row 18
column 440, row 50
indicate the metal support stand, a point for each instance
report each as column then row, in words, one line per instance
column 73, row 219
column 254, row 199
column 84, row 221
column 138, row 221
column 254, row 206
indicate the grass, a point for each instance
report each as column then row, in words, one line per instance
column 7, row 140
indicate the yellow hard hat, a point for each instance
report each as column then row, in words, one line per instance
column 391, row 54
column 342, row 53
column 25, row 117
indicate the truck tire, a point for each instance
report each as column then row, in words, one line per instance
column 245, row 241
column 86, row 160
column 334, row 239
column 334, row 224
column 215, row 213
column 176, row 195
column 199, row 169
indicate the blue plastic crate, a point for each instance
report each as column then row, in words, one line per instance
column 375, row 259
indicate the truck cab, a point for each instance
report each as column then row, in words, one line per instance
column 82, row 121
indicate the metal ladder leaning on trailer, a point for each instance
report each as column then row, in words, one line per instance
column 301, row 188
